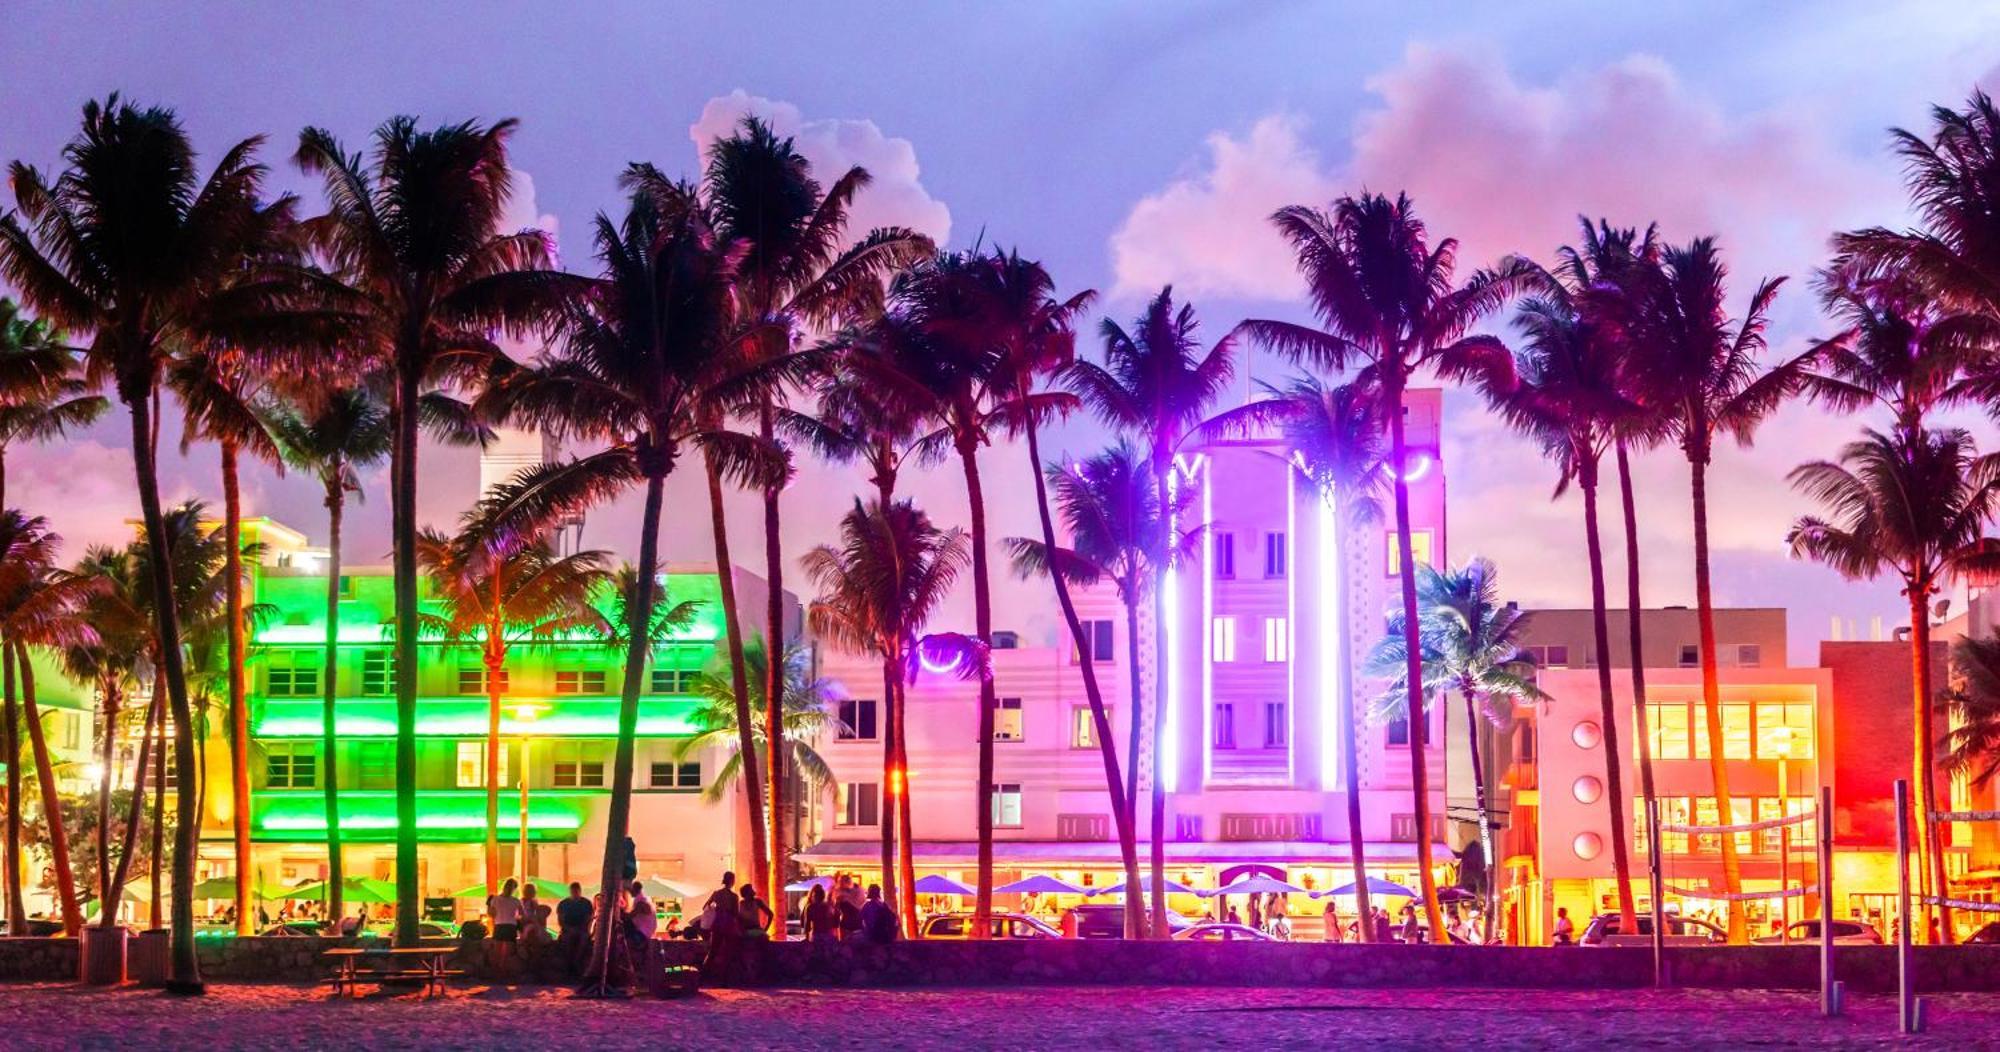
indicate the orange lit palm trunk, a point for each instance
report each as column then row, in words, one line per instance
column 1163, row 465
column 133, row 812
column 906, row 841
column 10, row 740
column 891, row 786
column 496, row 660
column 239, row 702
column 775, row 767
column 108, row 733
column 1413, row 669
column 159, row 855
column 982, row 617
column 1711, row 696
column 1614, row 759
column 45, row 778
column 1926, row 759
column 739, row 679
column 336, row 499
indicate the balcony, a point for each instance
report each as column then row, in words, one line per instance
column 443, row 816
column 458, row 716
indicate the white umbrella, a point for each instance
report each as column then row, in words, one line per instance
column 1173, row 887
column 936, row 884
column 662, row 888
column 1041, row 883
column 821, row 881
column 1257, row 885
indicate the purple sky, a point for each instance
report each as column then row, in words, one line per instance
column 1126, row 145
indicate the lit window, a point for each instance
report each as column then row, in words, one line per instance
column 1222, row 639
column 291, row 765
column 1007, row 805
column 1083, row 727
column 857, row 720
column 472, row 681
column 1735, row 732
column 472, row 765
column 1277, row 639
column 1274, row 555
column 292, row 675
column 1007, row 721
column 1274, row 724
column 1420, row 550
column 579, row 681
column 1225, row 725
column 1784, row 730
column 1670, row 731
column 1225, row 555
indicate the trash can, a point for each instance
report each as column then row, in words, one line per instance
column 104, row 955
column 149, row 957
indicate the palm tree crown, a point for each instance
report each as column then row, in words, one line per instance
column 808, row 717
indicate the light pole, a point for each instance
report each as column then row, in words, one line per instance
column 525, row 713
column 1783, row 740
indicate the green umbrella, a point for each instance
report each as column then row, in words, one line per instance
column 225, row 888
column 353, row 889
column 543, row 886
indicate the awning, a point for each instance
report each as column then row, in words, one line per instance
column 1015, row 854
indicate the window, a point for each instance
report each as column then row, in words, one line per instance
column 1552, row 656
column 472, row 765
column 1083, row 728
column 1399, row 731
column 1277, row 639
column 674, row 680
column 1690, row 655
column 378, row 673
column 1674, row 810
column 1420, row 550
column 1274, row 724
column 671, row 774
column 291, row 765
column 1749, row 655
column 1225, row 725
column 1735, row 732
column 1274, row 555
column 1083, row 827
column 1670, row 732
column 1225, row 555
column 1403, row 828
column 858, row 804
column 1222, row 639
column 472, row 680
column 857, row 720
column 346, row 586
column 292, row 675
column 1007, row 805
column 1007, row 721
column 578, row 765
column 579, row 681
column 375, row 765
column 1098, row 640
column 1784, row 730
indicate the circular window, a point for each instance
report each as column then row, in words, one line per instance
column 1587, row 846
column 1586, row 735
column 1587, row 789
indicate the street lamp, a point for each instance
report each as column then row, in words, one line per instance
column 525, row 713
column 1782, row 743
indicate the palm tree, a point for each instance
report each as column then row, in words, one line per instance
column 877, row 589
column 423, row 278
column 1972, row 745
column 1899, row 350
column 1109, row 513
column 1336, row 435
column 648, row 349
column 1387, row 303
column 41, row 606
column 808, row 716
column 333, row 436
column 796, row 271
column 1155, row 385
column 498, row 592
column 132, row 247
column 1688, row 354
column 1566, row 393
column 1471, row 644
column 1914, row 504
column 42, row 392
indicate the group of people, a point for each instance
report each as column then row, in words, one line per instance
column 848, row 914
column 520, row 922
column 1406, row 927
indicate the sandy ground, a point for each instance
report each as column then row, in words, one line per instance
column 489, row 1018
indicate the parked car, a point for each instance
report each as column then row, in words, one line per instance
column 1223, row 933
column 1987, row 936
column 1106, row 920
column 1845, row 932
column 1681, row 931
column 1005, row 926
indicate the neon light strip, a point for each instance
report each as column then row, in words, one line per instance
column 1169, row 639
column 1207, row 623
column 1291, row 619
column 1334, row 710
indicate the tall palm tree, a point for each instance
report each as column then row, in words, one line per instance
column 1155, row 384
column 1914, row 504
column 647, row 350
column 1688, row 354
column 41, row 606
column 1566, row 392
column 1899, row 351
column 499, row 591
column 333, row 436
column 1972, row 745
column 808, row 716
column 798, row 270
column 1387, row 302
column 877, row 589
column 1472, row 645
column 130, row 245
column 1335, row 434
column 42, row 391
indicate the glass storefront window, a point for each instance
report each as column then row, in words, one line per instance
column 1669, row 731
column 1784, row 729
column 1735, row 732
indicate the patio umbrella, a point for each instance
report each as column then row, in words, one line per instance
column 353, row 889
column 225, row 888
column 662, row 888
column 543, row 886
column 1257, row 885
column 1376, row 886
column 1173, row 887
column 1041, row 883
column 1447, row 896
column 940, row 885
column 821, row 881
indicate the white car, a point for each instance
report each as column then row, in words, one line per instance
column 1005, row 926
column 1223, row 933
column 1845, row 933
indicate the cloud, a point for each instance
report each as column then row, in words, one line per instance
column 896, row 197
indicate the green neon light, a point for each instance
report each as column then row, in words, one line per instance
column 553, row 814
column 458, row 717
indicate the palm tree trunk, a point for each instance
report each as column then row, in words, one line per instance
column 106, row 905
column 906, row 841
column 45, row 778
column 403, row 533
column 1614, row 760
column 982, row 618
column 739, row 679
column 10, row 739
column 775, row 767
column 1350, row 746
column 495, row 660
column 1163, row 464
column 329, row 742
column 1107, row 748
column 158, row 855
column 1479, row 803
column 134, row 812
column 239, row 704
column 618, row 817
column 1419, row 776
column 1135, row 740
column 1711, row 697
column 891, row 786
column 1642, row 722
column 1926, row 757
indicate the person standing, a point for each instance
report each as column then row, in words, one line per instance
column 1565, row 932
column 755, row 916
column 642, row 923
column 847, row 910
column 505, row 910
column 534, row 916
column 725, row 932
column 818, row 916
column 573, row 924
column 878, row 921
column 1413, row 932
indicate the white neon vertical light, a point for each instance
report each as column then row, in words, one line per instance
column 1333, row 708
column 1170, row 643
column 1207, row 620
column 1291, row 619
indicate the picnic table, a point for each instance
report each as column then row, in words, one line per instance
column 431, row 964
